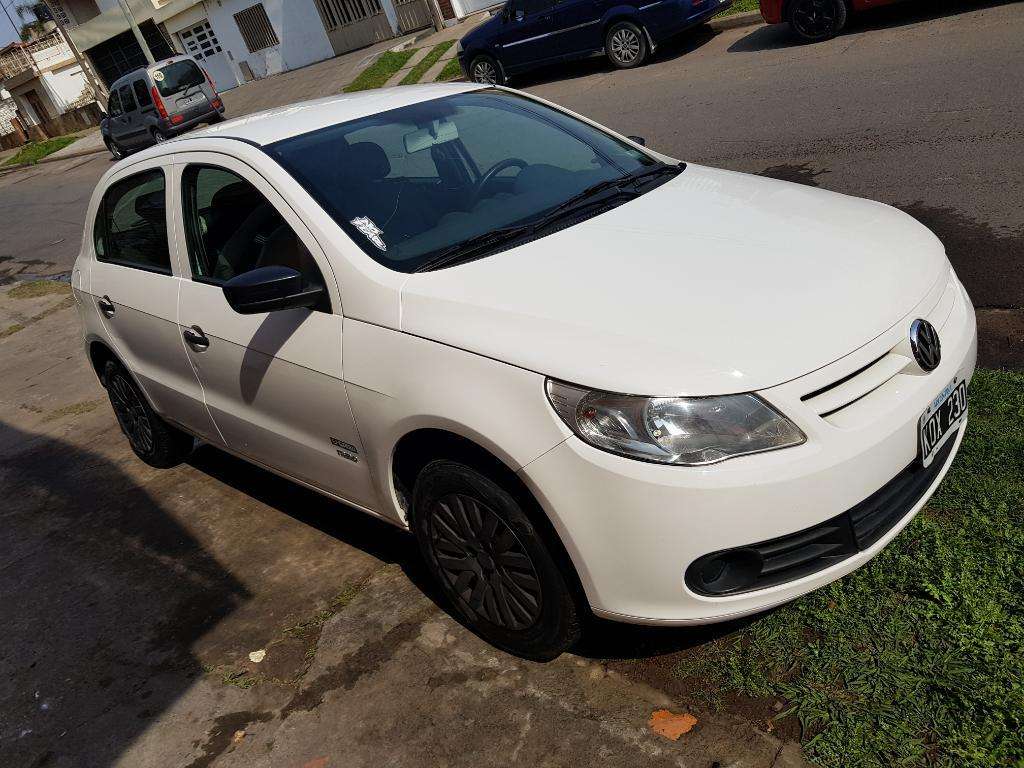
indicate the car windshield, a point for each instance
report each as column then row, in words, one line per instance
column 413, row 183
column 176, row 77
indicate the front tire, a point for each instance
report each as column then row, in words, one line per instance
column 812, row 21
column 154, row 440
column 625, row 45
column 491, row 562
column 485, row 69
column 116, row 152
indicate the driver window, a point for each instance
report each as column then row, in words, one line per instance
column 231, row 229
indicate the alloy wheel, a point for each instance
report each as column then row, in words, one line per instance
column 484, row 562
column 131, row 414
column 485, row 72
column 625, row 44
column 814, row 18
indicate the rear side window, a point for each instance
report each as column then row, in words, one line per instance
column 176, row 77
column 142, row 93
column 231, row 229
column 131, row 224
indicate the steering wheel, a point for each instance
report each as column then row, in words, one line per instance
column 494, row 170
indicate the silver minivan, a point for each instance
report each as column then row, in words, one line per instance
column 153, row 104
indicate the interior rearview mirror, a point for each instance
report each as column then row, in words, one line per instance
column 638, row 140
column 270, row 289
column 439, row 132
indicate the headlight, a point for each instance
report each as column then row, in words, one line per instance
column 673, row 430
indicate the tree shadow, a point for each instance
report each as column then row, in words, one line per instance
column 765, row 38
column 680, row 45
column 104, row 594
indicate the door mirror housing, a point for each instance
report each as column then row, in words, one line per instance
column 520, row 14
column 638, row 140
column 270, row 289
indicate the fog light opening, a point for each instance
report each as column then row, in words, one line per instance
column 721, row 573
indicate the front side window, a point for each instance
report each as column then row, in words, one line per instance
column 231, row 229
column 127, row 99
column 410, row 184
column 131, row 225
column 178, row 77
column 114, row 104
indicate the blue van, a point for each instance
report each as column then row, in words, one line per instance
column 529, row 33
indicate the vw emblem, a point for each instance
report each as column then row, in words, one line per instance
column 924, row 341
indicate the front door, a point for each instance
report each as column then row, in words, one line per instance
column 128, row 128
column 134, row 290
column 273, row 381
column 203, row 46
column 526, row 39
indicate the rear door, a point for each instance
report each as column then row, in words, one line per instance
column 526, row 38
column 133, row 288
column 273, row 381
column 577, row 26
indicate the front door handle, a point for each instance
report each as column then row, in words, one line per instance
column 195, row 338
column 106, row 306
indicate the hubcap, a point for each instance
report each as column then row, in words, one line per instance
column 625, row 46
column 131, row 414
column 484, row 72
column 815, row 18
column 160, row 138
column 483, row 560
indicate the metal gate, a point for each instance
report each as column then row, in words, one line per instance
column 352, row 24
column 412, row 15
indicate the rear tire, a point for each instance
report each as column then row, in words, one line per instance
column 485, row 69
column 158, row 136
column 812, row 21
column 625, row 45
column 154, row 440
column 491, row 562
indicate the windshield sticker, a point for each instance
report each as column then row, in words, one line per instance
column 373, row 233
column 158, row 76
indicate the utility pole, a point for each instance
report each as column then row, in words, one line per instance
column 136, row 31
column 99, row 91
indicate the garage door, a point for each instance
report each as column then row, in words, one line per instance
column 471, row 6
column 412, row 15
column 352, row 24
column 203, row 45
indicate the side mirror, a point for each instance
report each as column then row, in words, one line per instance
column 520, row 14
column 270, row 289
column 638, row 140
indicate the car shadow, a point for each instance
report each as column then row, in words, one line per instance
column 104, row 595
column 764, row 38
column 680, row 45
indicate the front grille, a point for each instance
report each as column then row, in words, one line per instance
column 790, row 557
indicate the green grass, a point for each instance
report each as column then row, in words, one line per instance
column 451, row 71
column 378, row 73
column 426, row 63
column 741, row 6
column 37, row 150
column 917, row 658
column 36, row 288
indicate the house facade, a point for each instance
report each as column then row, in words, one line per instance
column 235, row 40
column 43, row 78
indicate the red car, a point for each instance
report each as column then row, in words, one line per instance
column 814, row 20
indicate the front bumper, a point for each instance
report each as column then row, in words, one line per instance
column 632, row 528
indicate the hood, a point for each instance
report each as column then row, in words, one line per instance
column 484, row 30
column 713, row 283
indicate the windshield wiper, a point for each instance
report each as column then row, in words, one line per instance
column 468, row 248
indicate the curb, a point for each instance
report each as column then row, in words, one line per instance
column 748, row 19
column 51, row 159
column 419, row 37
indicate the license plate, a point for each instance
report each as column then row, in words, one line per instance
column 191, row 101
column 942, row 418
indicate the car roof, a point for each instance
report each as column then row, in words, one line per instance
column 272, row 125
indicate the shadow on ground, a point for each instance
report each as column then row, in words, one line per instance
column 103, row 595
column 764, row 38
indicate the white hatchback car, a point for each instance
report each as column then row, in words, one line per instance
column 585, row 375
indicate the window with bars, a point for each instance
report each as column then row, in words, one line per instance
column 257, row 31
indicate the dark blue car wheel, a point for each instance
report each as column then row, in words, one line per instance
column 485, row 69
column 625, row 45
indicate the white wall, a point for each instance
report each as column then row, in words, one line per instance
column 303, row 39
column 64, row 85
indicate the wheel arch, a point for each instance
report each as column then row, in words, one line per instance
column 419, row 447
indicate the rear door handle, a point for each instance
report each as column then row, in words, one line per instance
column 195, row 338
column 106, row 306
